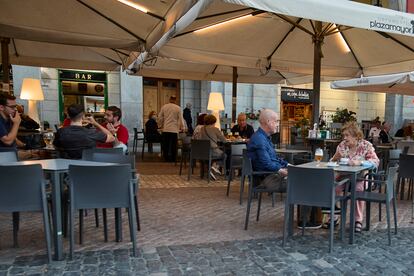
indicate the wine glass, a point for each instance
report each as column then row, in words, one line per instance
column 318, row 156
column 48, row 138
column 236, row 135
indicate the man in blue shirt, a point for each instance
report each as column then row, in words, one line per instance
column 260, row 147
column 9, row 122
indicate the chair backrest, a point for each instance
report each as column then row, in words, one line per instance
column 311, row 186
column 8, row 156
column 406, row 166
column 21, row 188
column 391, row 173
column 237, row 150
column 275, row 138
column 186, row 142
column 237, row 155
column 405, row 149
column 200, row 149
column 87, row 153
column 114, row 158
column 394, row 154
column 100, row 186
column 247, row 168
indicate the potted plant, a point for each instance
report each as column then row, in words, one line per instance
column 303, row 126
column 343, row 115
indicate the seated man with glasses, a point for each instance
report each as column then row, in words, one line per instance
column 9, row 123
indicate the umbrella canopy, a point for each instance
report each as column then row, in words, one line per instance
column 401, row 83
column 289, row 36
column 277, row 40
column 101, row 35
column 269, row 36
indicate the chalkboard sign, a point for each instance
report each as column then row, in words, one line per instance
column 297, row 95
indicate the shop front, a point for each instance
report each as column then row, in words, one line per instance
column 296, row 113
column 89, row 89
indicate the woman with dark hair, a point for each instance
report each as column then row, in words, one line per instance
column 151, row 128
column 200, row 124
column 210, row 132
column 355, row 150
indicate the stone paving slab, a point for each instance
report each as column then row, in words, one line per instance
column 181, row 220
column 303, row 255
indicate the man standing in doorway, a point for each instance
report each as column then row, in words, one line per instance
column 113, row 115
column 170, row 120
column 188, row 118
column 9, row 122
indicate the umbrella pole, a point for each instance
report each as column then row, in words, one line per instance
column 317, row 57
column 5, row 61
column 234, row 96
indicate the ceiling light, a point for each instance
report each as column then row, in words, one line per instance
column 221, row 23
column 133, row 5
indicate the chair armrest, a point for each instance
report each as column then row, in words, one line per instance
column 263, row 172
column 372, row 181
column 343, row 181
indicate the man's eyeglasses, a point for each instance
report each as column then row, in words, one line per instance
column 12, row 106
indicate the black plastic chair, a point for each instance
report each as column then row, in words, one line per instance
column 378, row 197
column 122, row 159
column 8, row 156
column 185, row 151
column 22, row 188
column 236, row 162
column 254, row 178
column 201, row 150
column 101, row 187
column 138, row 136
column 149, row 143
column 302, row 184
column 88, row 153
column 405, row 174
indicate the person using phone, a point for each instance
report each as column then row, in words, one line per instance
column 72, row 140
column 9, row 122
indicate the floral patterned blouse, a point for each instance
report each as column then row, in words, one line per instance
column 364, row 151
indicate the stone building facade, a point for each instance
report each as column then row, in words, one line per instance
column 127, row 92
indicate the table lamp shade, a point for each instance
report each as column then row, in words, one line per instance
column 215, row 101
column 215, row 104
column 31, row 90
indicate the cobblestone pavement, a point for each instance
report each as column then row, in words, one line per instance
column 192, row 228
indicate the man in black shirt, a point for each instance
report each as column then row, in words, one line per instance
column 72, row 140
column 245, row 130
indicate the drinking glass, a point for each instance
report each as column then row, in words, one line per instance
column 236, row 135
column 48, row 138
column 318, row 156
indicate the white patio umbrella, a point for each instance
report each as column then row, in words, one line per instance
column 401, row 83
column 100, row 35
column 287, row 36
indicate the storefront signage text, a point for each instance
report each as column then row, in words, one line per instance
column 297, row 95
column 82, row 76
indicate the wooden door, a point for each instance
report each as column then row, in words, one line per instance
column 157, row 92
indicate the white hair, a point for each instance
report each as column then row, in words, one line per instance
column 188, row 105
column 267, row 114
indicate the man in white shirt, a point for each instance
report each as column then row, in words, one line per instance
column 170, row 120
column 374, row 132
